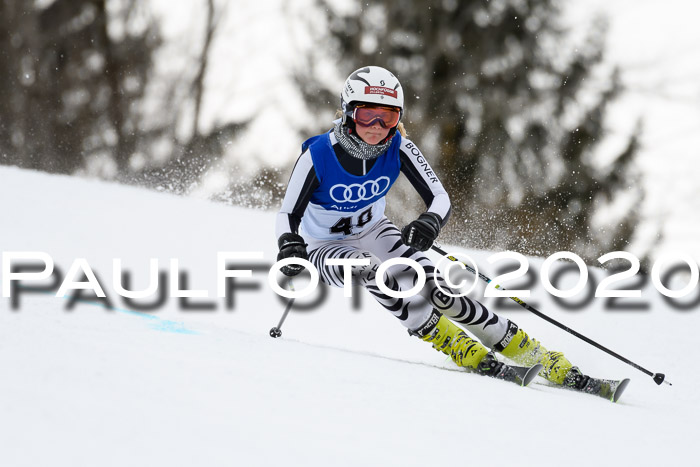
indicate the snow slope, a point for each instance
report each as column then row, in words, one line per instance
column 343, row 386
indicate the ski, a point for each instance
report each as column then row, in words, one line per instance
column 606, row 388
column 527, row 374
column 520, row 375
column 610, row 389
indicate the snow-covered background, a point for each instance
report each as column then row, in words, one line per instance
column 180, row 387
column 654, row 43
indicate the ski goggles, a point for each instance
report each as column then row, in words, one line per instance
column 365, row 115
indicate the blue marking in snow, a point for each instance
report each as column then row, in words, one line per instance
column 156, row 323
column 159, row 324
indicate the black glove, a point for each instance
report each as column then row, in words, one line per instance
column 291, row 245
column 422, row 232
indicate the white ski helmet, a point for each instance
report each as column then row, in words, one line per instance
column 373, row 85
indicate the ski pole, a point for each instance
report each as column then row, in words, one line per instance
column 277, row 330
column 657, row 377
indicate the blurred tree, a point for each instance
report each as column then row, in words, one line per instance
column 77, row 76
column 76, row 71
column 197, row 154
column 509, row 110
column 74, row 74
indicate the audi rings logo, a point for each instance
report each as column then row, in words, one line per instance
column 356, row 192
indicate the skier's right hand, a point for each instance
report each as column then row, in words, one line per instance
column 291, row 245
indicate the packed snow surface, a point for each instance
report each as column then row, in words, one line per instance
column 198, row 381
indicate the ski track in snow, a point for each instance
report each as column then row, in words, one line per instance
column 93, row 386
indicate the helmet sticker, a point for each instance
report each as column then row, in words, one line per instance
column 381, row 90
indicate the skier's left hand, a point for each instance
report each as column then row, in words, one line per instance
column 422, row 232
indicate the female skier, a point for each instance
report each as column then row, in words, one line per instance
column 336, row 194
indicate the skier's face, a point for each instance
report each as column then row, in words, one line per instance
column 372, row 134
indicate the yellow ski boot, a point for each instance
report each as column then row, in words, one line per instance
column 451, row 340
column 525, row 350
